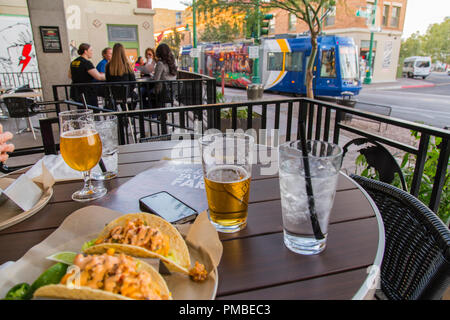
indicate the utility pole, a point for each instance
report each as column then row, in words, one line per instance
column 368, row 78
column 194, row 31
column 257, row 42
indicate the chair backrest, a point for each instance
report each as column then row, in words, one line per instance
column 18, row 107
column 416, row 261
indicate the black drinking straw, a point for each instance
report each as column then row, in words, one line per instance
column 309, row 190
column 100, row 163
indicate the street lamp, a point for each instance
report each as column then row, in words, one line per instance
column 194, row 31
column 368, row 78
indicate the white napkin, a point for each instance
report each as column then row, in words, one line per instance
column 57, row 167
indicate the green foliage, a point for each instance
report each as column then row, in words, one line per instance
column 224, row 32
column 242, row 113
column 435, row 43
column 173, row 40
column 407, row 166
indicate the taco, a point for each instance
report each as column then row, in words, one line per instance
column 148, row 236
column 108, row 277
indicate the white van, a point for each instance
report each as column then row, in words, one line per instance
column 417, row 67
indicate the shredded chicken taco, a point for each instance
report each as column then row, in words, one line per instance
column 108, row 276
column 148, row 236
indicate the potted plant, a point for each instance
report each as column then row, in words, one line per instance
column 242, row 115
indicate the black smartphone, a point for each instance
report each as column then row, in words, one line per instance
column 167, row 207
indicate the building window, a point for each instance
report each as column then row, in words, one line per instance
column 385, row 15
column 274, row 61
column 272, row 25
column 178, row 19
column 292, row 22
column 122, row 33
column 331, row 17
column 395, row 16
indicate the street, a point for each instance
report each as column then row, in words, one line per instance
column 426, row 101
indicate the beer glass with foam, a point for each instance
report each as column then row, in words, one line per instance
column 227, row 169
column 81, row 149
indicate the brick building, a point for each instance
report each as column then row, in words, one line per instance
column 390, row 18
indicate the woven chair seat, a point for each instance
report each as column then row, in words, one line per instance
column 416, row 261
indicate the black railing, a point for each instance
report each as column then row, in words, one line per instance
column 323, row 120
column 18, row 79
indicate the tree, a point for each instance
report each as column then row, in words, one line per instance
column 309, row 11
column 436, row 41
column 224, row 32
column 173, row 40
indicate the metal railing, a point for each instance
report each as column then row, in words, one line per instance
column 323, row 121
column 18, row 79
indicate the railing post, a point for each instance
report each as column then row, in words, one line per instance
column 48, row 140
column 440, row 176
column 337, row 129
column 56, row 98
column 420, row 163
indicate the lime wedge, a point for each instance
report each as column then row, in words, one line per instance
column 65, row 257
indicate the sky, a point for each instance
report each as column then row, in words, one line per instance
column 419, row 13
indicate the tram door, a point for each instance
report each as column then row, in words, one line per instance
column 295, row 67
column 326, row 80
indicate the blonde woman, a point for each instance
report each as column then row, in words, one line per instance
column 120, row 69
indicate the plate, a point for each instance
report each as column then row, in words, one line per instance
column 11, row 214
column 84, row 225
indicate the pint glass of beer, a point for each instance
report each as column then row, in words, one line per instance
column 81, row 149
column 227, row 169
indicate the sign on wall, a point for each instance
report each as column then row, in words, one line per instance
column 387, row 55
column 51, row 40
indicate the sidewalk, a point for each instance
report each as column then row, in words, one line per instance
column 400, row 83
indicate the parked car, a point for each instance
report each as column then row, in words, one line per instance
column 417, row 67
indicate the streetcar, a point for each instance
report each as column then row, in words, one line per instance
column 282, row 64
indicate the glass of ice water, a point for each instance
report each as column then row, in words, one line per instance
column 324, row 161
column 107, row 168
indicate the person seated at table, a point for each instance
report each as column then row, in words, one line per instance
column 119, row 69
column 165, row 69
column 149, row 66
column 106, row 54
column 83, row 71
column 139, row 63
column 5, row 147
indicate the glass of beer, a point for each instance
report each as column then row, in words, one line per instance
column 227, row 168
column 81, row 149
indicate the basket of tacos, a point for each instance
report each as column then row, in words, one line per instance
column 147, row 236
column 108, row 276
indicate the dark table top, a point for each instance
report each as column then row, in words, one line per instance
column 255, row 263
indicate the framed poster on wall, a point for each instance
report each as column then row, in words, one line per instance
column 51, row 40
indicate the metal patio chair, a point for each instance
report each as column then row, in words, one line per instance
column 416, row 262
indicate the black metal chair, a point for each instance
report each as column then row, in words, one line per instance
column 379, row 158
column 21, row 107
column 416, row 262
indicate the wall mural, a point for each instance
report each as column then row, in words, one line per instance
column 17, row 52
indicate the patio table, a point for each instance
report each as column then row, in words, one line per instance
column 255, row 263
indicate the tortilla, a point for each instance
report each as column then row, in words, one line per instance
column 178, row 259
column 62, row 291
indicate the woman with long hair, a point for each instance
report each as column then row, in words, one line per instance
column 165, row 68
column 119, row 69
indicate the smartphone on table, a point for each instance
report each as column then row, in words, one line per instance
column 168, row 207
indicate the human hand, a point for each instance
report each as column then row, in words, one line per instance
column 4, row 147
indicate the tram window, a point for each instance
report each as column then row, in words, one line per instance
column 294, row 61
column 328, row 67
column 274, row 61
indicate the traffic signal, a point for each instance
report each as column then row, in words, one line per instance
column 265, row 23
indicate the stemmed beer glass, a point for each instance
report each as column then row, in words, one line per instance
column 81, row 149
